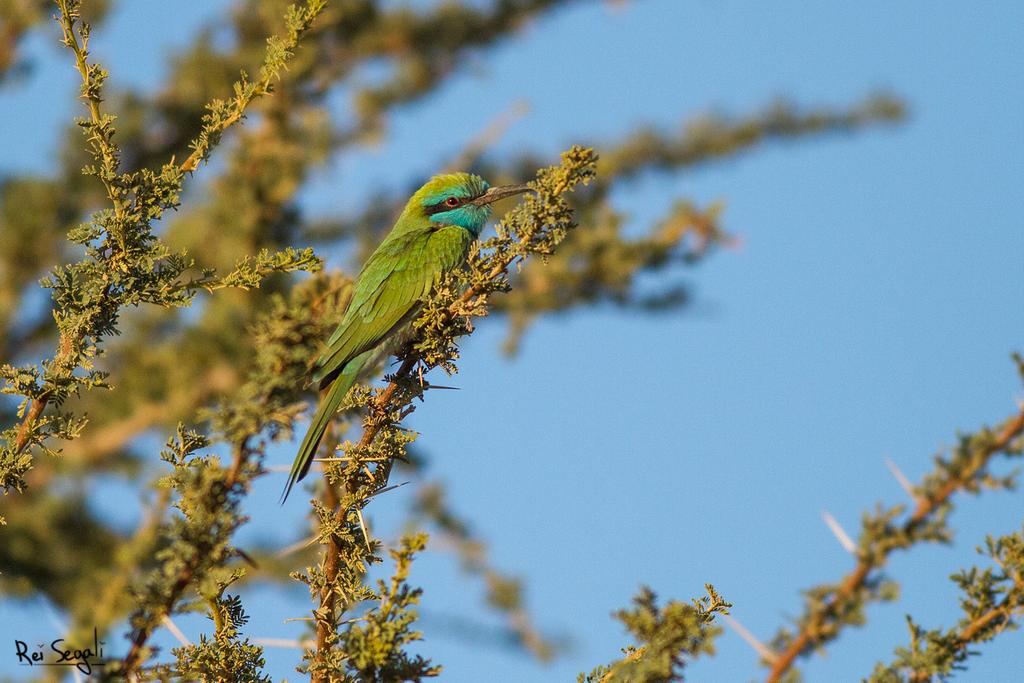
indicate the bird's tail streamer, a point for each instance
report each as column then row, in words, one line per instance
column 325, row 411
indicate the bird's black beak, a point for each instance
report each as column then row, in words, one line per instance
column 500, row 192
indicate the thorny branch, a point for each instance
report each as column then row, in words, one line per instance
column 926, row 522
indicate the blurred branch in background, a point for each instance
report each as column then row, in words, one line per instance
column 504, row 592
column 18, row 17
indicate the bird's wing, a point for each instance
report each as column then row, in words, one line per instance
column 395, row 279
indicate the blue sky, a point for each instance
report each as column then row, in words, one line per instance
column 869, row 314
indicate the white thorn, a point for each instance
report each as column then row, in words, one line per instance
column 54, row 617
column 489, row 135
column 901, row 478
column 840, row 534
column 296, row 547
column 366, row 532
column 175, row 631
column 285, row 642
column 760, row 648
column 288, row 468
column 346, row 458
column 388, row 488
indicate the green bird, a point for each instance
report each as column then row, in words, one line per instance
column 430, row 238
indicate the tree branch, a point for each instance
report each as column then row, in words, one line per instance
column 846, row 596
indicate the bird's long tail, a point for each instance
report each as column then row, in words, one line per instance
column 329, row 404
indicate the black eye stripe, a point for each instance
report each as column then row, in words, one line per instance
column 436, row 208
column 443, row 206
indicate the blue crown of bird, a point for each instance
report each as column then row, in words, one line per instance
column 430, row 238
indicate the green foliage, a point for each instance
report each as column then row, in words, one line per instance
column 197, row 541
column 375, row 644
column 125, row 263
column 665, row 638
column 225, row 657
column 198, row 550
column 992, row 602
column 222, row 114
column 284, row 338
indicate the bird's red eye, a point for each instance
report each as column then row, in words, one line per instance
column 451, row 201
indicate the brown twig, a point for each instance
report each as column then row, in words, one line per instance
column 33, row 413
column 324, row 630
column 923, row 511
